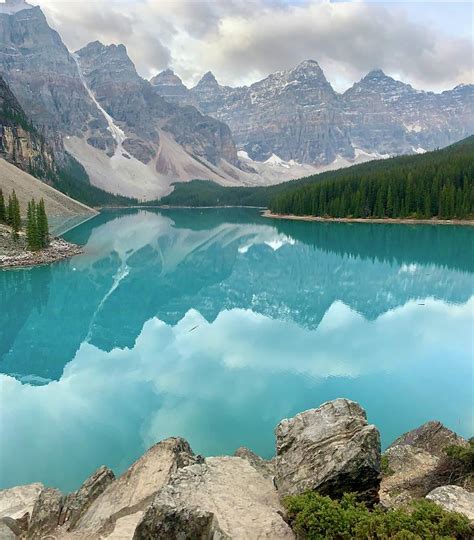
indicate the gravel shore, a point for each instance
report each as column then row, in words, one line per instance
column 14, row 254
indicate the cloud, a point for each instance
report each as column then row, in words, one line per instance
column 242, row 41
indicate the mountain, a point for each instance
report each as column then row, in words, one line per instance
column 129, row 139
column 438, row 184
column 295, row 116
column 136, row 138
column 44, row 77
column 20, row 142
column 390, row 117
column 435, row 168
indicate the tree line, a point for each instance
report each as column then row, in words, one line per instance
column 438, row 184
column 36, row 227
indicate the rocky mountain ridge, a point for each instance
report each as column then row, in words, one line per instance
column 136, row 137
column 172, row 493
column 161, row 142
column 296, row 114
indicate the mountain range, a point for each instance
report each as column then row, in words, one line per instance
column 136, row 137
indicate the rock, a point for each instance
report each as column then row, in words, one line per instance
column 432, row 437
column 297, row 115
column 18, row 501
column 77, row 503
column 415, row 463
column 267, row 468
column 184, row 523
column 6, row 532
column 45, row 516
column 224, row 497
column 331, row 450
column 455, row 499
column 122, row 503
column 20, row 143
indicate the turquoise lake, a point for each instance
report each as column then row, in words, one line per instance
column 215, row 324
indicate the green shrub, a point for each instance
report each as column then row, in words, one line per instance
column 459, row 464
column 315, row 517
column 385, row 466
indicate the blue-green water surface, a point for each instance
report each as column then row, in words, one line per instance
column 216, row 324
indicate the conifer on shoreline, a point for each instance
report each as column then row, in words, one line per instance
column 3, row 210
column 13, row 214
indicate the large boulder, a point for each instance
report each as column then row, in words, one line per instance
column 224, row 497
column 331, row 449
column 45, row 516
column 18, row 502
column 414, row 463
column 77, row 503
column 455, row 499
column 432, row 437
column 116, row 512
column 8, row 529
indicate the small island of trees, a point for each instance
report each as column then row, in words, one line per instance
column 36, row 227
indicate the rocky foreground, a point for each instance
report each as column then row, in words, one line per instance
column 171, row 493
column 14, row 254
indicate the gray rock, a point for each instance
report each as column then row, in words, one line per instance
column 266, row 467
column 45, row 516
column 331, row 450
column 19, row 501
column 77, row 503
column 122, row 503
column 224, row 497
column 8, row 529
column 415, row 463
column 432, row 437
column 455, row 499
column 169, row 522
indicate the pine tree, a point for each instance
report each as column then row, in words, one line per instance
column 32, row 227
column 389, row 202
column 13, row 214
column 42, row 225
column 3, row 210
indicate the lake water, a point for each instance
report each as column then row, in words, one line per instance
column 216, row 324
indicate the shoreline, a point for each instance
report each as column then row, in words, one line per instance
column 58, row 250
column 398, row 221
column 176, row 207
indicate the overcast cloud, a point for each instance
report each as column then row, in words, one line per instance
column 242, row 41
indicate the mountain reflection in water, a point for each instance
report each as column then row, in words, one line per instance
column 215, row 324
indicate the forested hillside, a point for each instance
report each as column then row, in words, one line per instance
column 435, row 184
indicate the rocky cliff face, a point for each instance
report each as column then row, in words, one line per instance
column 131, row 101
column 296, row 114
column 129, row 139
column 389, row 117
column 43, row 75
column 20, row 142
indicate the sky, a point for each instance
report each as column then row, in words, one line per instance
column 428, row 44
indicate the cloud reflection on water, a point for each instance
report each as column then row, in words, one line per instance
column 224, row 382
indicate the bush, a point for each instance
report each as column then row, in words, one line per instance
column 314, row 517
column 385, row 466
column 459, row 463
